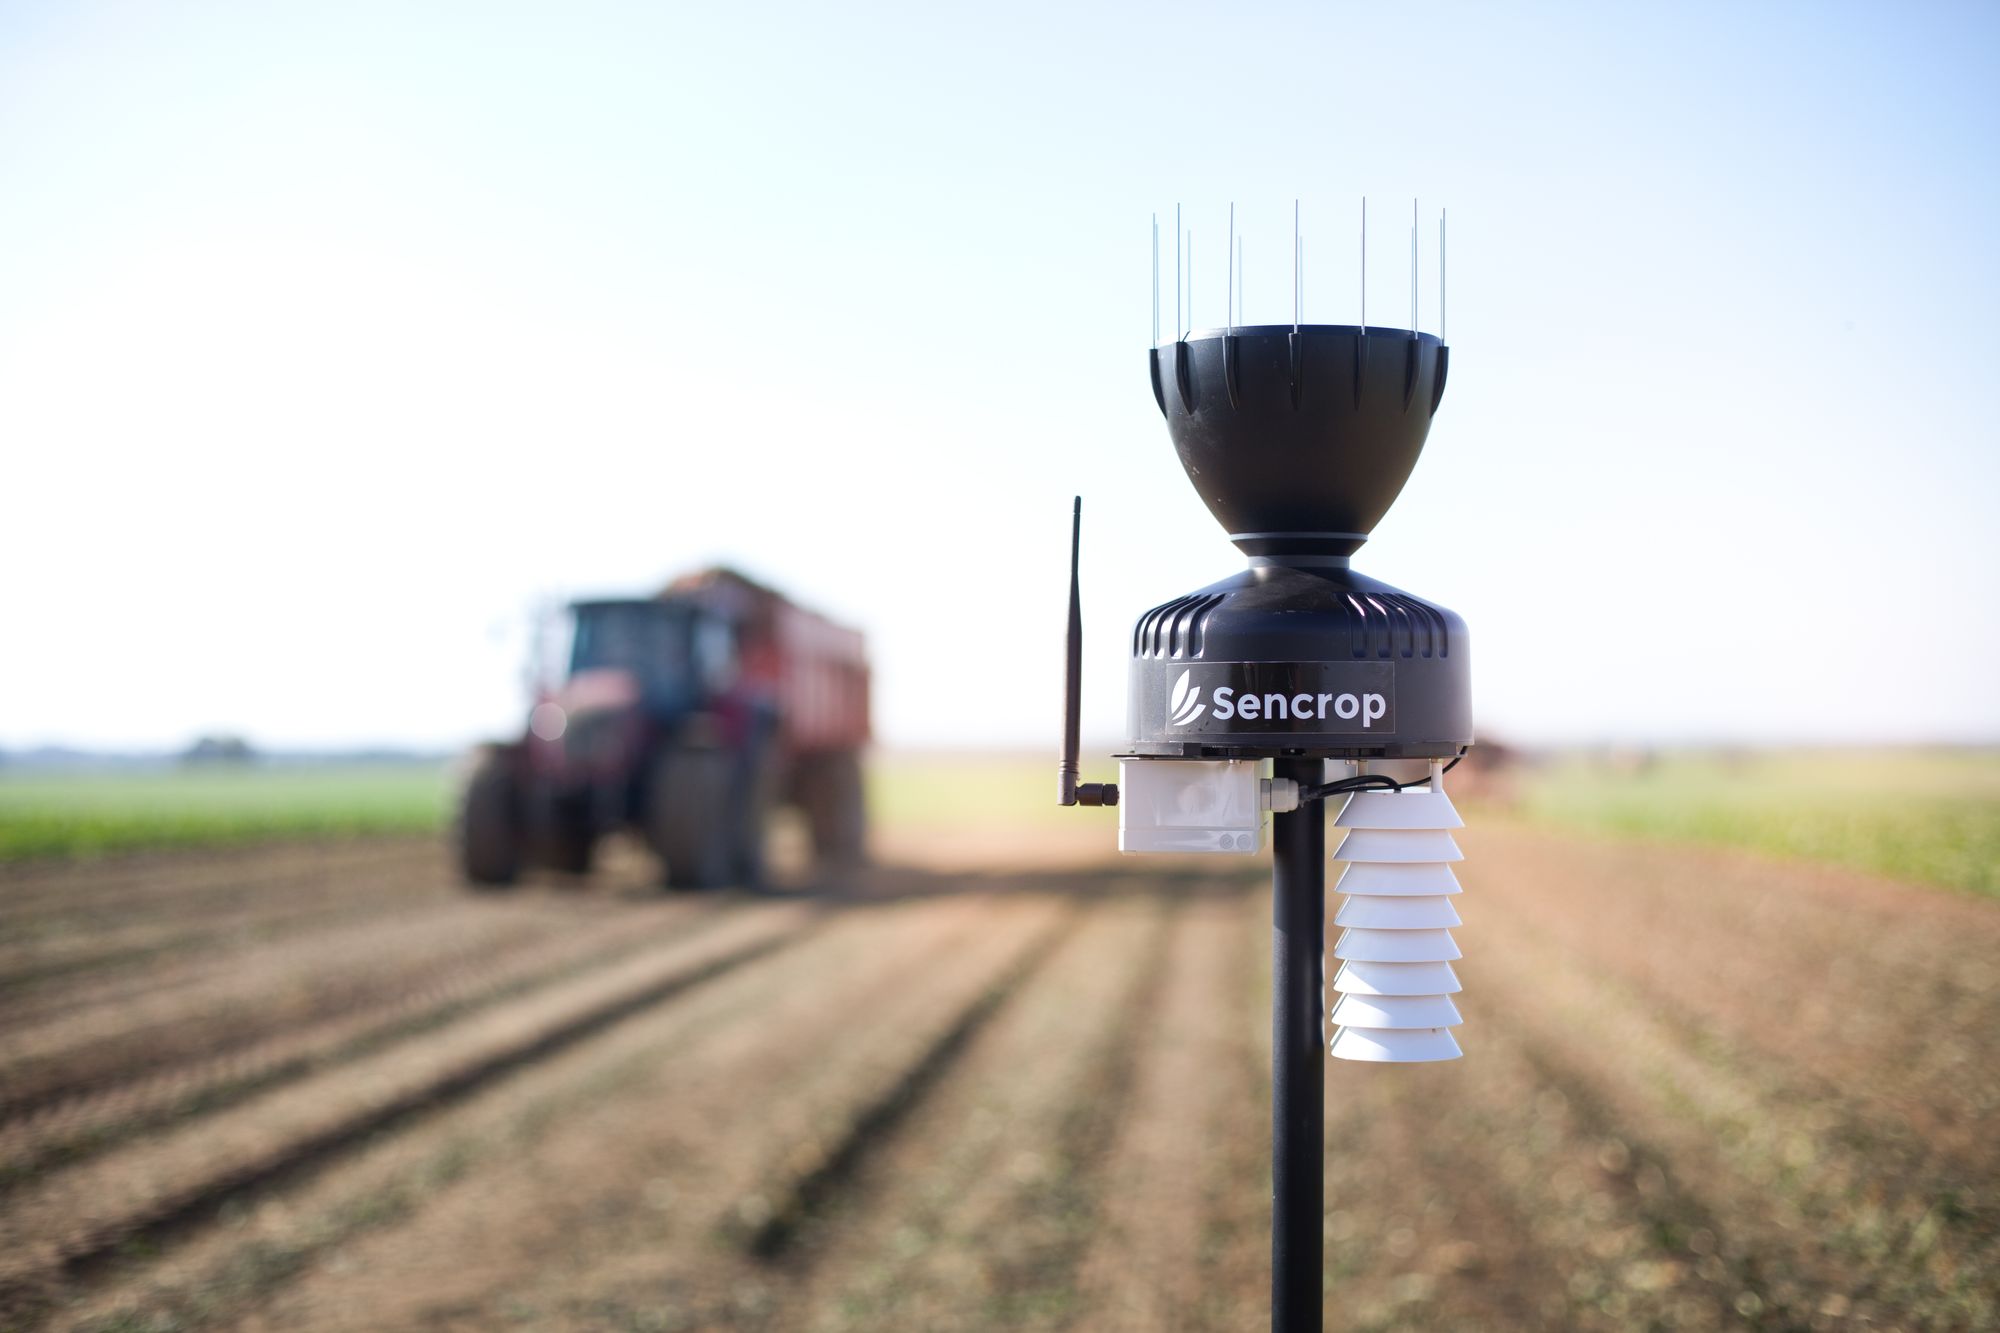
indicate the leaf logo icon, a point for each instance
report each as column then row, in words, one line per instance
column 1185, row 705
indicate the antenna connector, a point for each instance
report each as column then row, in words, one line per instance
column 1097, row 793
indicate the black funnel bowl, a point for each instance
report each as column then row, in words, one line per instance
column 1299, row 439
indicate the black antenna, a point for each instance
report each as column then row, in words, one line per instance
column 1072, row 667
column 1068, row 790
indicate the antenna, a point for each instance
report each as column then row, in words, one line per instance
column 1068, row 790
column 1229, row 287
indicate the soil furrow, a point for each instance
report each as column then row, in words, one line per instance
column 806, row 1185
column 418, row 1001
column 466, row 1200
column 980, row 1209
column 1806, row 967
column 1792, row 1216
column 81, row 1214
column 1148, row 1265
column 664, row 1181
column 253, row 992
column 196, row 881
column 1701, row 1089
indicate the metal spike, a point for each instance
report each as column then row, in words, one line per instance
column 1156, row 279
column 1364, row 266
column 1442, row 326
column 1295, row 266
column 1177, row 272
column 1413, row 268
column 1229, row 282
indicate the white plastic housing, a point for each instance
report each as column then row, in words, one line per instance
column 1395, row 981
column 1190, row 805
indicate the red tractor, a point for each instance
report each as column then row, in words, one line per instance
column 687, row 717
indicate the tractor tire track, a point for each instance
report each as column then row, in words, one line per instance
column 977, row 1219
column 205, row 882
column 1150, row 1263
column 76, row 946
column 618, row 1188
column 92, row 1115
column 81, row 1215
column 1807, row 1193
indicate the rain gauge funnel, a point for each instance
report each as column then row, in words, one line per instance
column 1298, row 441
column 1264, row 700
column 1299, row 438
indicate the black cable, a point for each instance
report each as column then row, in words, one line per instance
column 1366, row 782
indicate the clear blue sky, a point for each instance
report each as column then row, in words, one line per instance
column 333, row 337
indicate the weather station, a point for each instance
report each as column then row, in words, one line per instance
column 1259, row 702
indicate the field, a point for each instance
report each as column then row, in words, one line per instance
column 91, row 813
column 997, row 1082
column 1928, row 816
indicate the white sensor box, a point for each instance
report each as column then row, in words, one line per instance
column 1190, row 805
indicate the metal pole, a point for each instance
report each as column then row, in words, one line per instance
column 1298, row 1055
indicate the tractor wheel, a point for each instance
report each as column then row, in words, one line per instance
column 687, row 809
column 836, row 807
column 488, row 828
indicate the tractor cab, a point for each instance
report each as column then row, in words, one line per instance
column 666, row 654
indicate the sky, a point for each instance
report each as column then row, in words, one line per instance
column 335, row 340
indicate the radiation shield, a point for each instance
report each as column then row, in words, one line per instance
column 1395, row 947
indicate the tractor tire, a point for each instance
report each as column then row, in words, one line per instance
column 687, row 816
column 487, row 832
column 836, row 808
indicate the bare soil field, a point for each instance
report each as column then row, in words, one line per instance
column 322, row 1086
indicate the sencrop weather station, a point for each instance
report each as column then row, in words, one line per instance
column 1265, row 699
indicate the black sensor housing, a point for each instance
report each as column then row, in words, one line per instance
column 1298, row 439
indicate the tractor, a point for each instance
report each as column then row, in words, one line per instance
column 687, row 717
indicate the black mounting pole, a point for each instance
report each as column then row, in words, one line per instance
column 1298, row 1054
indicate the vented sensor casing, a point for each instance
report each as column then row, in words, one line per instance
column 1298, row 439
column 1315, row 662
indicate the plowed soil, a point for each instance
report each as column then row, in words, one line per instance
column 325, row 1087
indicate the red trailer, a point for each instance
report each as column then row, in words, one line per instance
column 688, row 717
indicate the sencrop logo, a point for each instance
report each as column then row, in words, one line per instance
column 1228, row 703
column 1186, row 705
column 1302, row 707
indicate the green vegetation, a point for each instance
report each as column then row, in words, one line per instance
column 1930, row 816
column 1926, row 816
column 90, row 813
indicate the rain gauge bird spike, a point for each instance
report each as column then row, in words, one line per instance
column 1298, row 437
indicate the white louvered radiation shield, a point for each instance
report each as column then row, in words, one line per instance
column 1395, row 948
